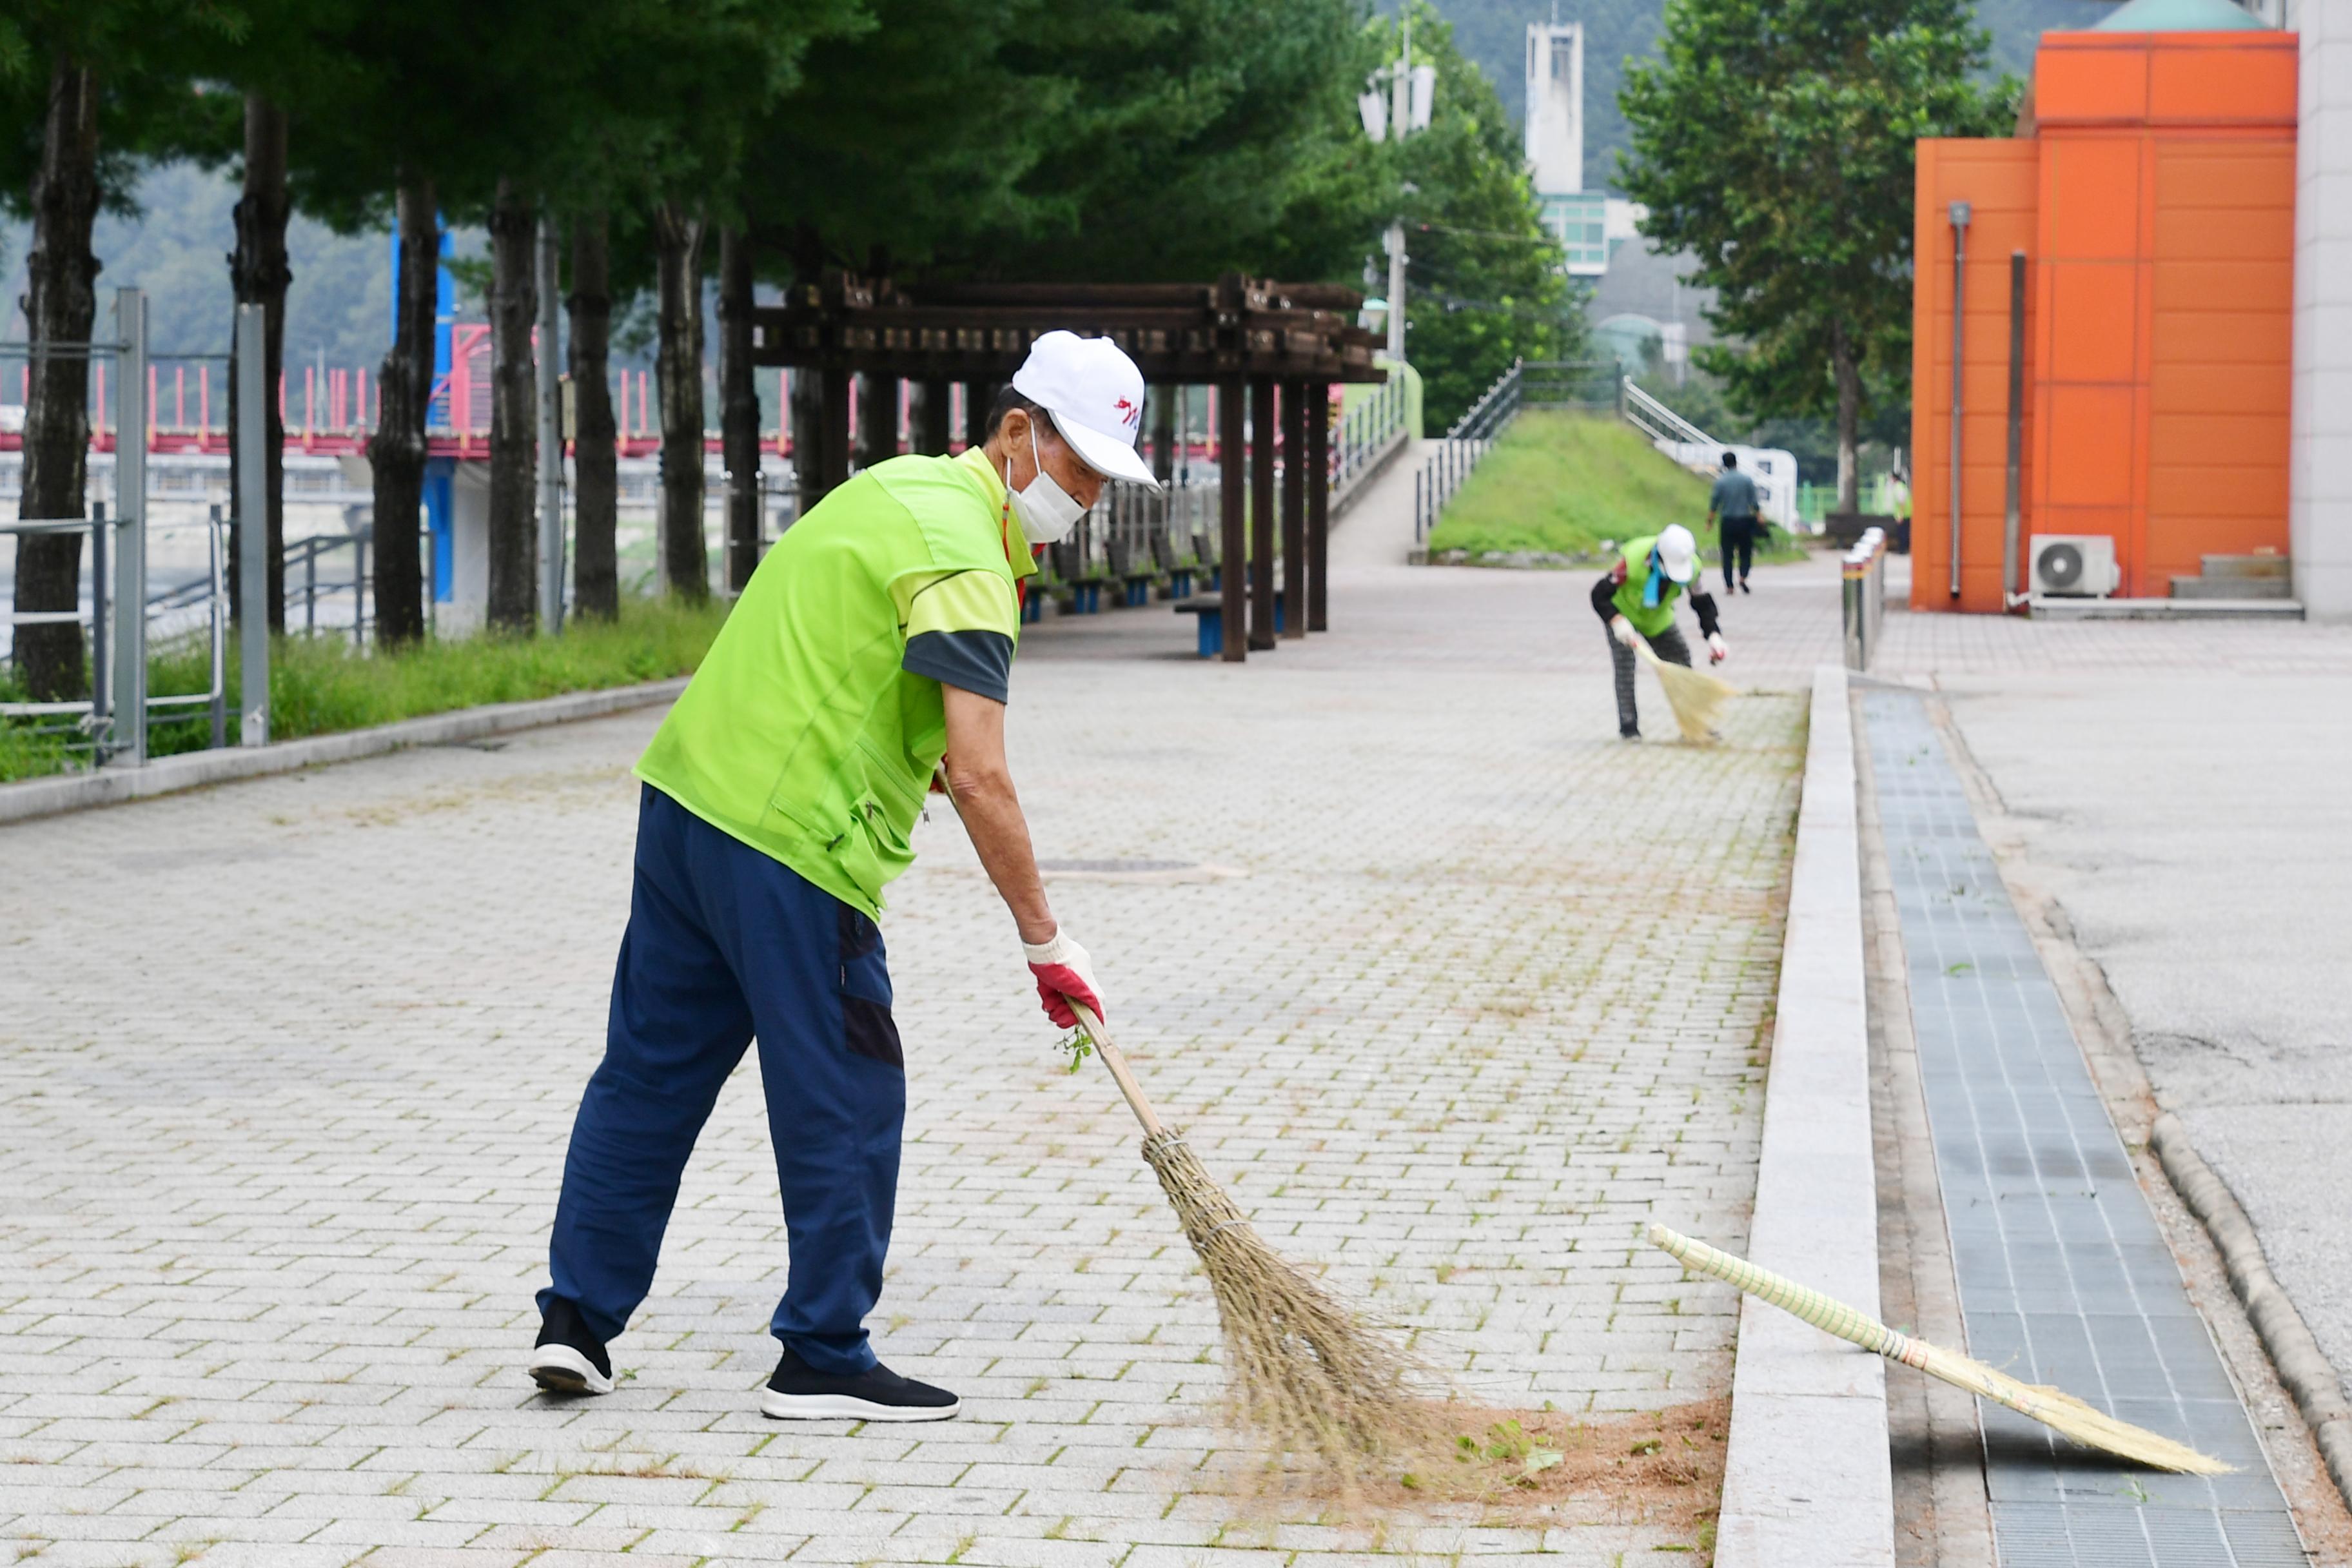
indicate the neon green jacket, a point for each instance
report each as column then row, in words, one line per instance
column 1649, row 620
column 801, row 734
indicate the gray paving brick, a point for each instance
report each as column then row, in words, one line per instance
column 285, row 1112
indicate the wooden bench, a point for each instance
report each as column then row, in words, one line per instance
column 1134, row 577
column 1078, row 580
column 1178, row 572
column 1210, row 609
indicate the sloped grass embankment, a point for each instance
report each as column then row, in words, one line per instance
column 1560, row 486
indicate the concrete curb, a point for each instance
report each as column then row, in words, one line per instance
column 2303, row 1367
column 1808, row 1481
column 76, row 792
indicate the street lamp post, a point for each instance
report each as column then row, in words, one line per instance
column 1398, row 100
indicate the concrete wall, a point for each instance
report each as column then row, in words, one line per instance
column 2320, row 459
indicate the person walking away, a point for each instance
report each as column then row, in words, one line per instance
column 1635, row 598
column 1735, row 497
column 874, row 641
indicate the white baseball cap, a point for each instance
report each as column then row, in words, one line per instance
column 1095, row 394
column 1677, row 552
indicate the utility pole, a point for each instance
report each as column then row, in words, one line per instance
column 1401, row 108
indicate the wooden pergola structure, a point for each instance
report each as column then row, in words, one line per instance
column 1281, row 342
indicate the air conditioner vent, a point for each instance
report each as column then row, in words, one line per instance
column 2073, row 565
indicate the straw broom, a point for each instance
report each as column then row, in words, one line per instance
column 1697, row 697
column 2062, row 1412
column 1306, row 1370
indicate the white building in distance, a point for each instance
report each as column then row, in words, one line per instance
column 1586, row 221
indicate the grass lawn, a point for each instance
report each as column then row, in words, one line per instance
column 319, row 686
column 1562, row 484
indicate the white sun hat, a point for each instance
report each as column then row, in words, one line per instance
column 1095, row 394
column 1677, row 552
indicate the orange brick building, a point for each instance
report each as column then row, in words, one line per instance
column 2152, row 190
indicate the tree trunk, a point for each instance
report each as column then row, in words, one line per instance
column 739, row 407
column 60, row 306
column 258, row 275
column 396, row 450
column 595, row 482
column 513, row 303
column 1849, row 419
column 678, row 373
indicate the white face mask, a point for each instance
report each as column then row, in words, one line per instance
column 1047, row 511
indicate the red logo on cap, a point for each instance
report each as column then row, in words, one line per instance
column 1128, row 414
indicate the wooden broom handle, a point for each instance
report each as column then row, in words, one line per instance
column 1153, row 1126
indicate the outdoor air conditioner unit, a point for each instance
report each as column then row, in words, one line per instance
column 2075, row 565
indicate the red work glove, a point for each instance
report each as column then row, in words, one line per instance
column 1065, row 975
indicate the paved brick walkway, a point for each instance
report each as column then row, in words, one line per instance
column 286, row 1071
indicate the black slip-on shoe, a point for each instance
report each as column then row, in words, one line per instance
column 568, row 1358
column 799, row 1392
column 1629, row 734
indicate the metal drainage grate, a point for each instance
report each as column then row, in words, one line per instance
column 2063, row 1277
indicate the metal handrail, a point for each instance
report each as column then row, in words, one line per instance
column 94, row 710
column 1660, row 423
column 1462, row 447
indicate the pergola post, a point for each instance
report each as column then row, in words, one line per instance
column 1294, row 506
column 1261, row 507
column 833, row 462
column 1234, row 546
column 932, row 427
column 1163, row 401
column 806, row 398
column 979, row 396
column 1319, row 500
column 877, row 419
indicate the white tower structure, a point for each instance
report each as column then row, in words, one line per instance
column 1555, row 142
column 1556, row 107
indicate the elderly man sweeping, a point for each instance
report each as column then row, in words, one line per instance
column 777, row 799
column 1635, row 598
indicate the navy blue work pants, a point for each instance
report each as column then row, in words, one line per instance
column 726, row 944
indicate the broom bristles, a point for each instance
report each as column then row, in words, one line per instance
column 1305, row 1369
column 2059, row 1411
column 1696, row 697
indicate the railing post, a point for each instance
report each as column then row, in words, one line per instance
column 131, row 530
column 101, row 686
column 217, row 553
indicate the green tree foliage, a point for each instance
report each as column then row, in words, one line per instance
column 1197, row 136
column 1774, row 142
column 1485, row 279
column 1042, row 139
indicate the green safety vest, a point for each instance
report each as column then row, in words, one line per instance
column 800, row 735
column 1647, row 620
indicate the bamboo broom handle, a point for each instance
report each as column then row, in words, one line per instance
column 1153, row 1126
column 1824, row 1312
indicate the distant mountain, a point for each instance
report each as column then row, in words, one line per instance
column 1494, row 33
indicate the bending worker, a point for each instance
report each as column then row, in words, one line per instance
column 1735, row 496
column 778, row 798
column 1635, row 598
